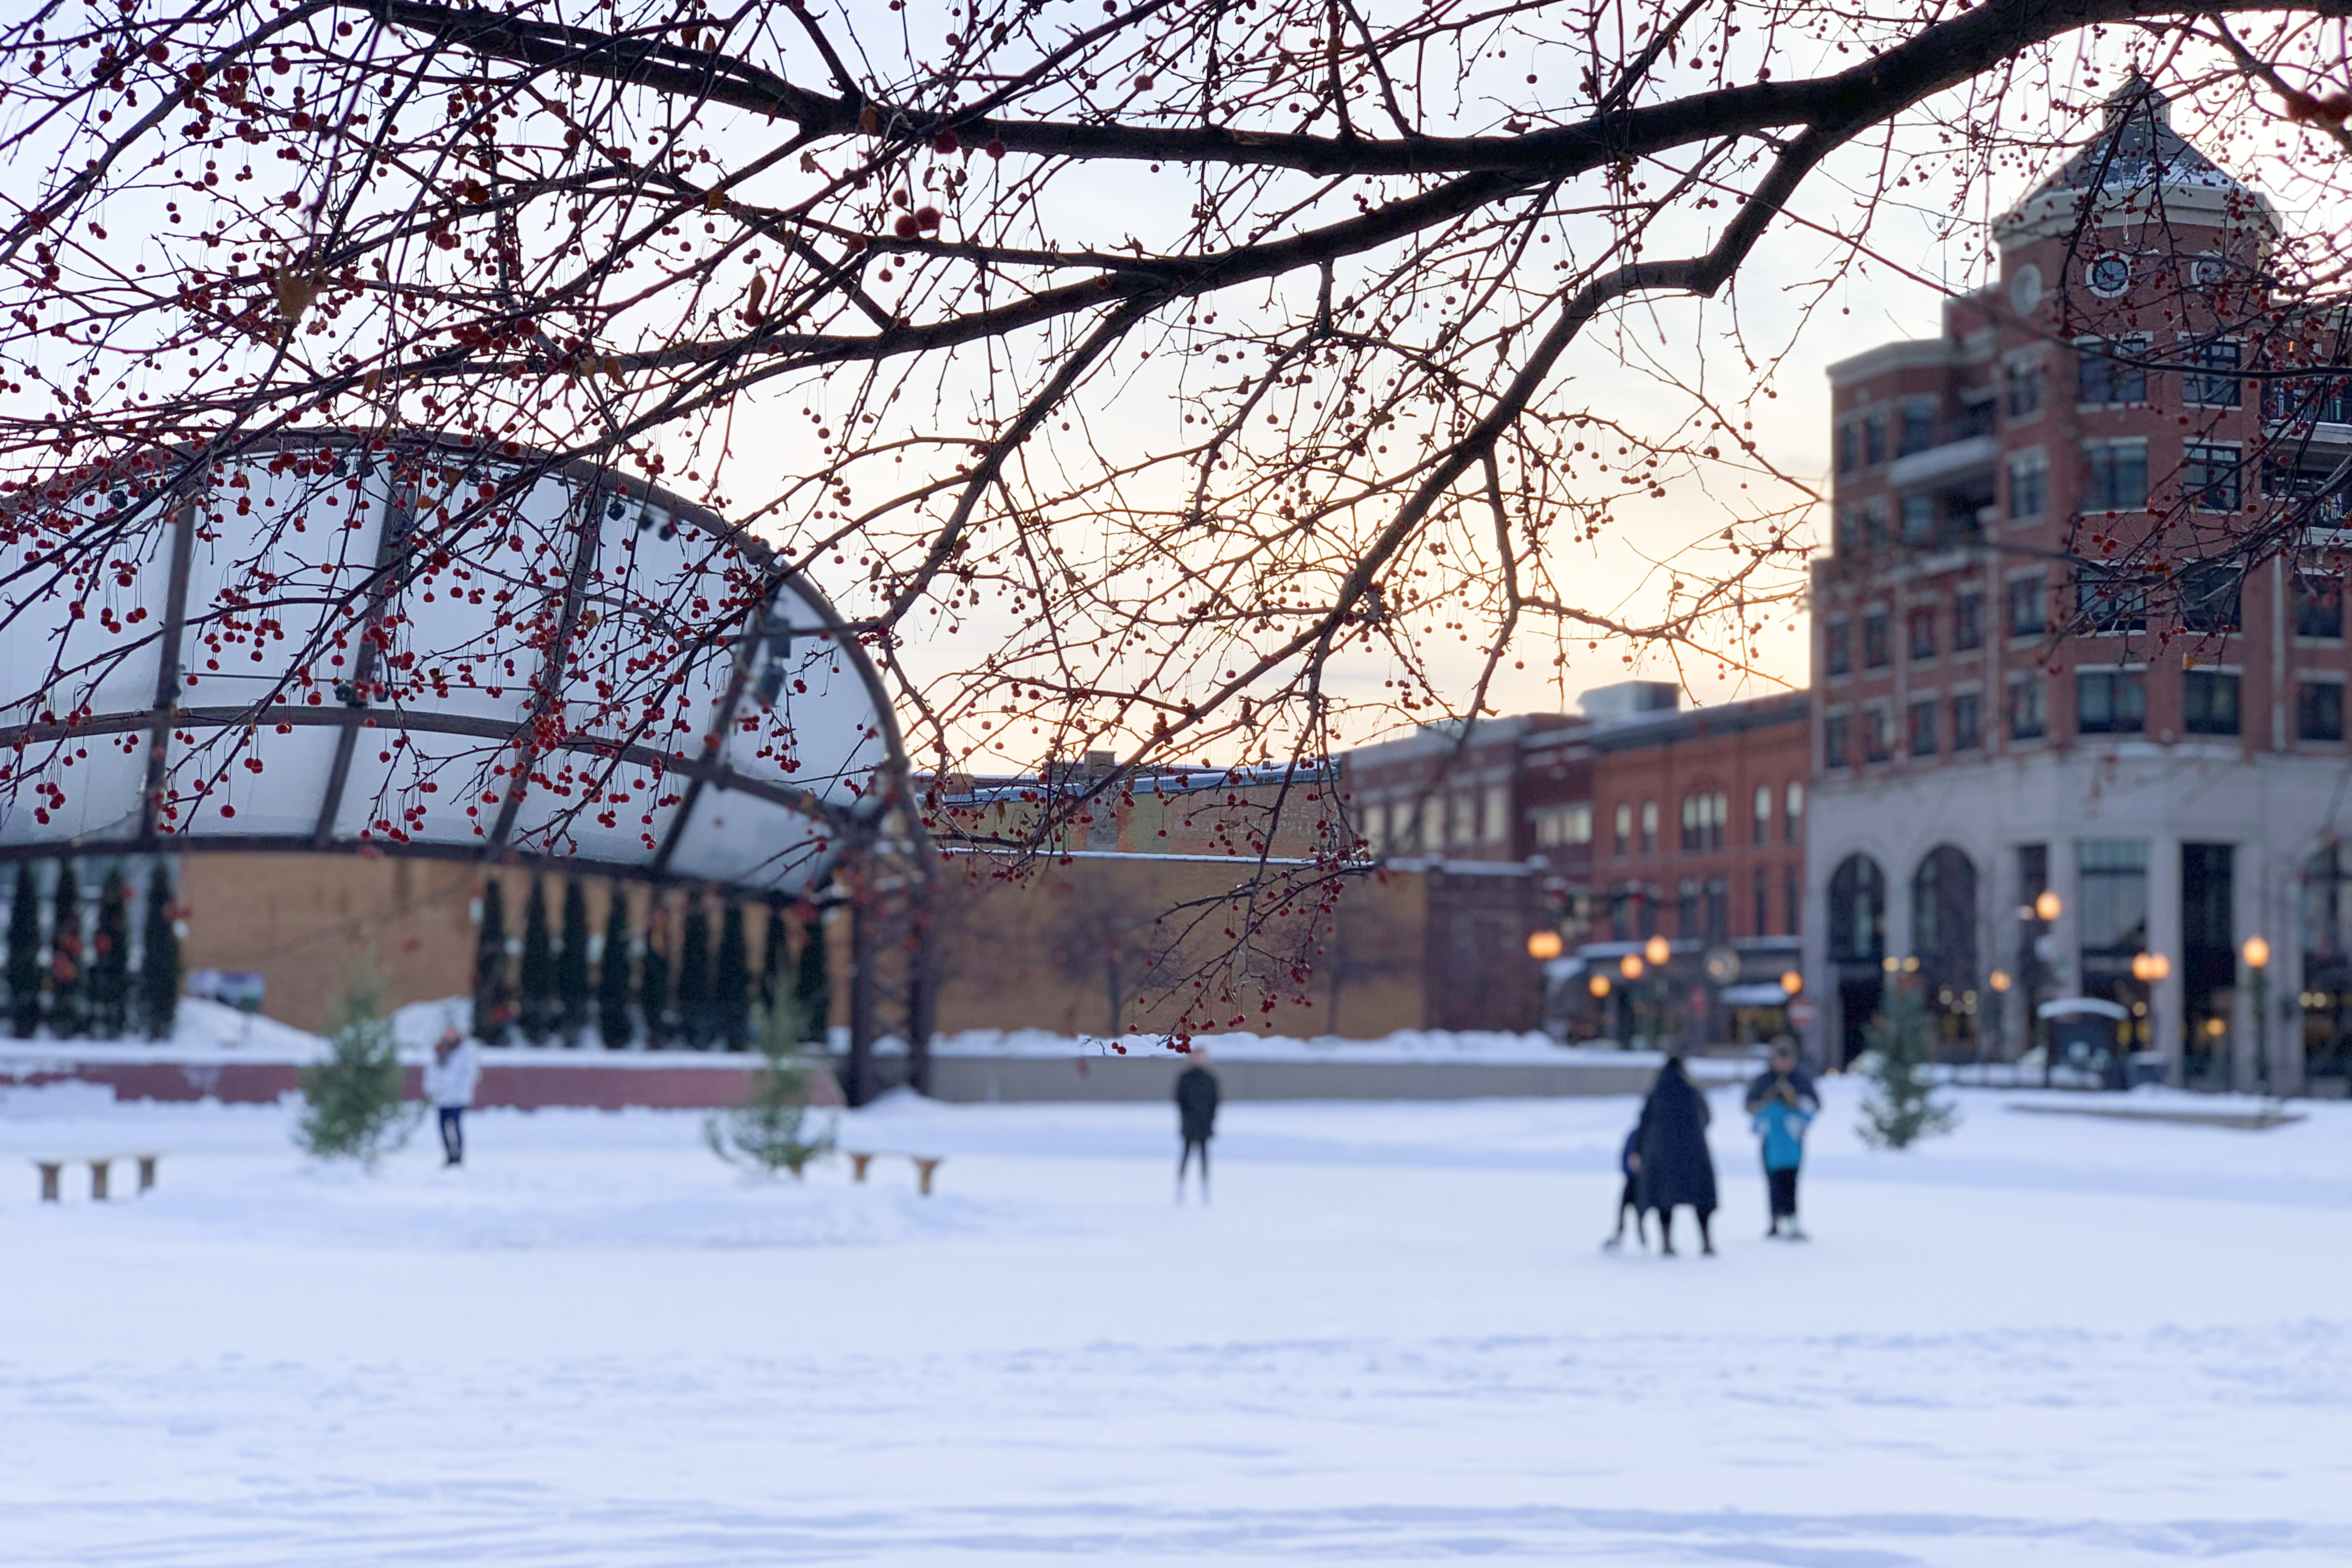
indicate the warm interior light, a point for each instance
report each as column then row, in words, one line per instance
column 1544, row 945
column 2256, row 953
column 1630, row 966
column 1793, row 982
column 2046, row 906
column 1657, row 951
column 1598, row 985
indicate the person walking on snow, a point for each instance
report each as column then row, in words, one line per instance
column 1675, row 1165
column 1196, row 1117
column 450, row 1081
column 1781, row 1104
column 1628, row 1198
column 1781, row 1123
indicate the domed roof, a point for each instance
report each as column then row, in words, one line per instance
column 2139, row 166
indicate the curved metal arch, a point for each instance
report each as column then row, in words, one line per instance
column 843, row 815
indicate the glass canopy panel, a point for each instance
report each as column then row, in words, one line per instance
column 90, row 789
column 103, row 659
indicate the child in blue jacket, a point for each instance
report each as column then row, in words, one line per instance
column 1781, row 1122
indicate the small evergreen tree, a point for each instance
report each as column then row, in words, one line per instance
column 25, row 955
column 1902, row 1108
column 535, row 982
column 353, row 1104
column 613, row 974
column 653, row 980
column 694, row 978
column 490, row 968
column 68, row 985
column 159, row 958
column 776, row 1130
column 730, row 982
column 110, row 960
column 572, row 994
column 812, row 982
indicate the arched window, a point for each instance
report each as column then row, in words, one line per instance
column 1858, row 911
column 1944, row 936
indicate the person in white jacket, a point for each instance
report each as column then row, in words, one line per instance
column 450, row 1081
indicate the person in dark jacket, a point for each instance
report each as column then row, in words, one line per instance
column 1676, row 1166
column 1629, row 1200
column 1784, row 1077
column 1196, row 1117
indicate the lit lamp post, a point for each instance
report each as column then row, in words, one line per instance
column 2257, row 955
column 1543, row 946
column 1656, row 952
column 2043, row 913
column 1599, row 988
column 1999, row 982
column 1631, row 967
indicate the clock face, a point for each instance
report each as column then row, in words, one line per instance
column 2209, row 271
column 2110, row 274
column 2025, row 288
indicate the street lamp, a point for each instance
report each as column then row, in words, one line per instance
column 2047, row 907
column 1792, row 983
column 1543, row 946
column 2257, row 955
column 1598, row 985
column 1657, row 950
column 1630, row 966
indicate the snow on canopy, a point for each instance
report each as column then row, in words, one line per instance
column 330, row 641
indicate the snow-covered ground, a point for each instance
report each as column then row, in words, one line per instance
column 2043, row 1340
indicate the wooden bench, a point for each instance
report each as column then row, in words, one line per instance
column 101, row 1170
column 924, row 1164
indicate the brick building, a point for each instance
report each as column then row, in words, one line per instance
column 2046, row 660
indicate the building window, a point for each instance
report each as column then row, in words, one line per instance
column 1624, row 825
column 1763, row 905
column 2027, row 615
column 1968, row 621
column 1875, row 640
column 2112, row 921
column 1375, row 829
column 1919, row 519
column 1763, row 814
column 1849, row 447
column 1922, row 623
column 1792, row 902
column 1705, row 816
column 1976, row 417
column 2109, row 604
column 1919, row 430
column 1461, row 818
column 1848, row 529
column 2026, row 384
column 2028, row 709
column 2110, row 702
column 1649, row 828
column 1878, row 733
column 2029, row 484
column 2215, row 383
column 1497, row 827
column 2208, row 702
column 1562, row 827
column 1873, row 439
column 2116, row 476
column 1719, row 909
column 1834, row 741
column 1793, row 825
column 2319, row 710
column 2112, row 370
column 2208, row 476
column 1839, row 655
column 1967, row 720
column 1922, row 727
column 2210, row 598
column 2318, row 605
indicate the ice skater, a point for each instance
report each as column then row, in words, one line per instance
column 1781, row 1104
column 1629, row 1197
column 1196, row 1117
column 1676, row 1166
column 450, row 1081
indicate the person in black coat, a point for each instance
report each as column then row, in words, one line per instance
column 1675, row 1165
column 1196, row 1117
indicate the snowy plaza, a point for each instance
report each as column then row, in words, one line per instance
column 2047, row 1338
